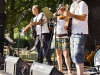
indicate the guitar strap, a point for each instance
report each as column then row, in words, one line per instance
column 75, row 7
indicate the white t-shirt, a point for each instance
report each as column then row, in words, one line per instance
column 77, row 25
column 44, row 27
column 60, row 28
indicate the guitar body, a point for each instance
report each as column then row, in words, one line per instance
column 33, row 32
column 90, row 57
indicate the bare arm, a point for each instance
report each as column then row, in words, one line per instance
column 78, row 17
column 27, row 27
column 32, row 24
column 38, row 23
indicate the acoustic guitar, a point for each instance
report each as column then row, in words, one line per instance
column 69, row 30
column 68, row 27
column 90, row 56
column 68, row 22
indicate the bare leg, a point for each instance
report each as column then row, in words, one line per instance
column 59, row 59
column 80, row 68
column 67, row 61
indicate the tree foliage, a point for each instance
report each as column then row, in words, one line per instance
column 14, row 9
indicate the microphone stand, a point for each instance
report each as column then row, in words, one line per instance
column 55, row 28
column 17, row 24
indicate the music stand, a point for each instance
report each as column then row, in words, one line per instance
column 10, row 46
column 9, row 39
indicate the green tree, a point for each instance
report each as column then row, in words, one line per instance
column 14, row 9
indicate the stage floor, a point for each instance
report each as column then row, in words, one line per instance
column 86, row 71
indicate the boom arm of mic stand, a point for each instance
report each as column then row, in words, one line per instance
column 20, row 18
column 17, row 24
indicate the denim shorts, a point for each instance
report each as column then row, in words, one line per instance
column 77, row 46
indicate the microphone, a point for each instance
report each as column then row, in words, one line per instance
column 60, row 5
column 55, row 14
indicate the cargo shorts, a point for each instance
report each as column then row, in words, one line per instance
column 77, row 46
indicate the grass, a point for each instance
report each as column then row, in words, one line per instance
column 32, row 57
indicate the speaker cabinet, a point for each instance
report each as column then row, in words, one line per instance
column 43, row 69
column 2, row 59
column 16, row 66
column 2, row 6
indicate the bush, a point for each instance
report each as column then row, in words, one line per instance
column 23, row 43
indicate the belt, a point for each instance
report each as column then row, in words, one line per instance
column 77, row 33
column 61, row 35
column 43, row 34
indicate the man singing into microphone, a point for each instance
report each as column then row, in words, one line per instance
column 41, row 27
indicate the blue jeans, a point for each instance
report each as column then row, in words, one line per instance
column 41, row 41
column 49, row 52
column 77, row 46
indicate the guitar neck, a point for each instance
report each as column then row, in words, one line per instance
column 97, row 47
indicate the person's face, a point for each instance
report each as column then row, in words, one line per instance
column 62, row 9
column 34, row 10
column 74, row 0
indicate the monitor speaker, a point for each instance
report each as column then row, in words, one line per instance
column 43, row 69
column 2, row 59
column 16, row 66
